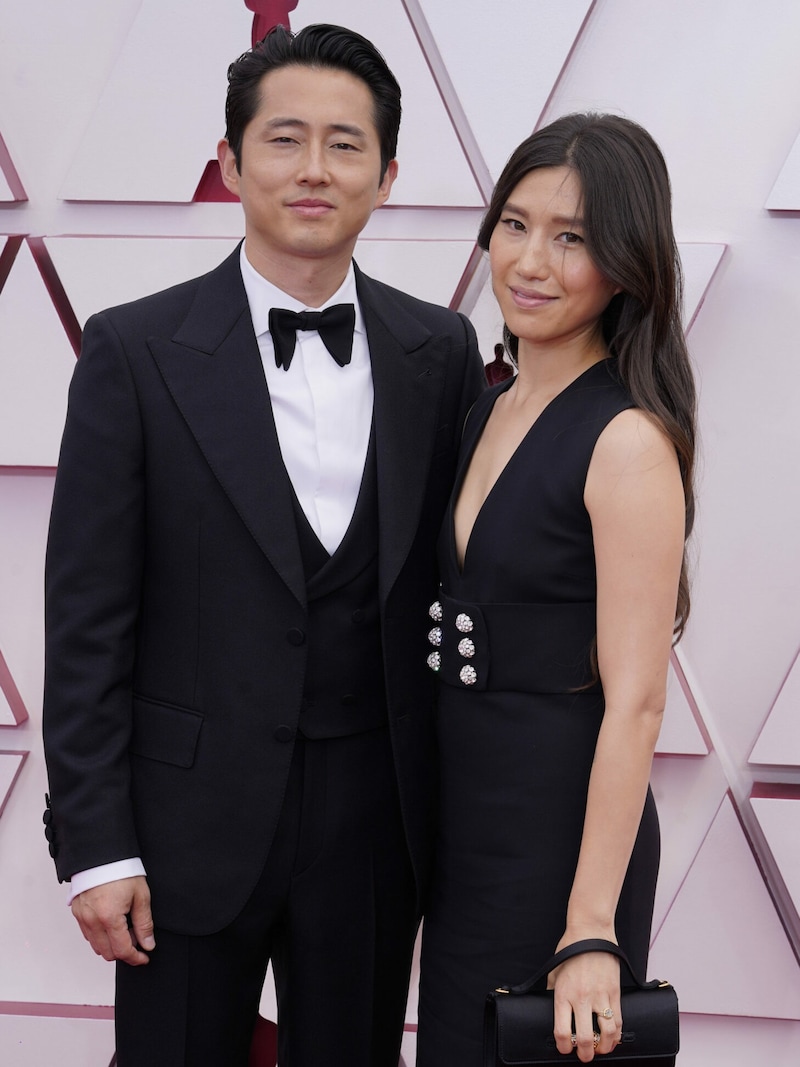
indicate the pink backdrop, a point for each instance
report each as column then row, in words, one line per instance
column 111, row 113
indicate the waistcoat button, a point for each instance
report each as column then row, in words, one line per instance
column 295, row 636
column 284, row 733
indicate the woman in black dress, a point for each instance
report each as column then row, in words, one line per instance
column 563, row 588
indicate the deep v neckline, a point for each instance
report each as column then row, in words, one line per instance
column 466, row 462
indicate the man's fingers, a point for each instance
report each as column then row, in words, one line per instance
column 112, row 941
column 102, row 914
column 142, row 920
column 123, row 945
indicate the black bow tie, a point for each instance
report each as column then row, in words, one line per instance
column 335, row 325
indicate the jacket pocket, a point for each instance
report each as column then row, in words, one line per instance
column 165, row 732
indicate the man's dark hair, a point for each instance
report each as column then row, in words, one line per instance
column 320, row 47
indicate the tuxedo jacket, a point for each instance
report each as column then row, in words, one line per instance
column 175, row 593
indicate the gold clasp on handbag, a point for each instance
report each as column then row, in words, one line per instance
column 500, row 989
column 664, row 985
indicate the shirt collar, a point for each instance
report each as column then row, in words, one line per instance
column 263, row 295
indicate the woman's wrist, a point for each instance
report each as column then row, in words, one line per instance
column 581, row 930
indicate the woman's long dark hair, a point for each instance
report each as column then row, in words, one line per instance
column 627, row 215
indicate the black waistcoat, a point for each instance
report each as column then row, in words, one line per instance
column 344, row 687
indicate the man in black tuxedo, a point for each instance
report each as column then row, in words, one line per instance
column 238, row 711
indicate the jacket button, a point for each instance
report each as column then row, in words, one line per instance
column 358, row 616
column 348, row 699
column 295, row 636
column 284, row 734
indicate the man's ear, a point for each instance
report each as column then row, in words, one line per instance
column 227, row 167
column 386, row 184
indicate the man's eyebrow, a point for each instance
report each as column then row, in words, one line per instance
column 287, row 121
column 349, row 128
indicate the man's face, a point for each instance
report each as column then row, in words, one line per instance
column 310, row 172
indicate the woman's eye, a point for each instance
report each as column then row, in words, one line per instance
column 569, row 238
column 513, row 224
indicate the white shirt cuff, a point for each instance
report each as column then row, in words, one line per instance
column 106, row 872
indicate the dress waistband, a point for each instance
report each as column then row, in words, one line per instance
column 528, row 648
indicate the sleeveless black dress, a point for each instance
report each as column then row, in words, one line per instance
column 518, row 720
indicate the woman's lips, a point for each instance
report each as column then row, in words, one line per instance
column 530, row 298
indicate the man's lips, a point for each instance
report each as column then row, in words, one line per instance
column 310, row 208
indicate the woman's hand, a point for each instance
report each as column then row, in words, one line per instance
column 584, row 986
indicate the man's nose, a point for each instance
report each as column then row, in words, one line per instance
column 314, row 167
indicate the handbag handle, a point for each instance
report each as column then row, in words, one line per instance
column 594, row 944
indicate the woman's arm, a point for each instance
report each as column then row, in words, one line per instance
column 635, row 500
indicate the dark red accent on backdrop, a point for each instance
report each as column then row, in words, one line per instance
column 211, row 189
column 58, row 293
column 264, row 1049
column 498, row 370
column 269, row 13
column 10, row 172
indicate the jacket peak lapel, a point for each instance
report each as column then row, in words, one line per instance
column 212, row 368
column 408, row 370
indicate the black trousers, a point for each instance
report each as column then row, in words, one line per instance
column 335, row 912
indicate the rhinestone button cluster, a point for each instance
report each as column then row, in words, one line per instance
column 466, row 646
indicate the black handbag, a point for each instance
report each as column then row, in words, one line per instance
column 518, row 1020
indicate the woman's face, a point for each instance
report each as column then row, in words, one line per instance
column 548, row 288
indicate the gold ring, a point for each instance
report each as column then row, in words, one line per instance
column 607, row 1013
column 595, row 1037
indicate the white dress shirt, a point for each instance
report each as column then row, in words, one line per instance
column 323, row 412
column 323, row 416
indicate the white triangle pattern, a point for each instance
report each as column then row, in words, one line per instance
column 35, row 371
column 151, row 137
column 780, row 820
column 10, row 766
column 99, row 272
column 6, row 714
column 506, row 70
column 722, row 944
column 700, row 262
column 779, row 740
column 680, row 734
column 785, row 194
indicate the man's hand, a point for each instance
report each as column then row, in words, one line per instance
column 116, row 920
